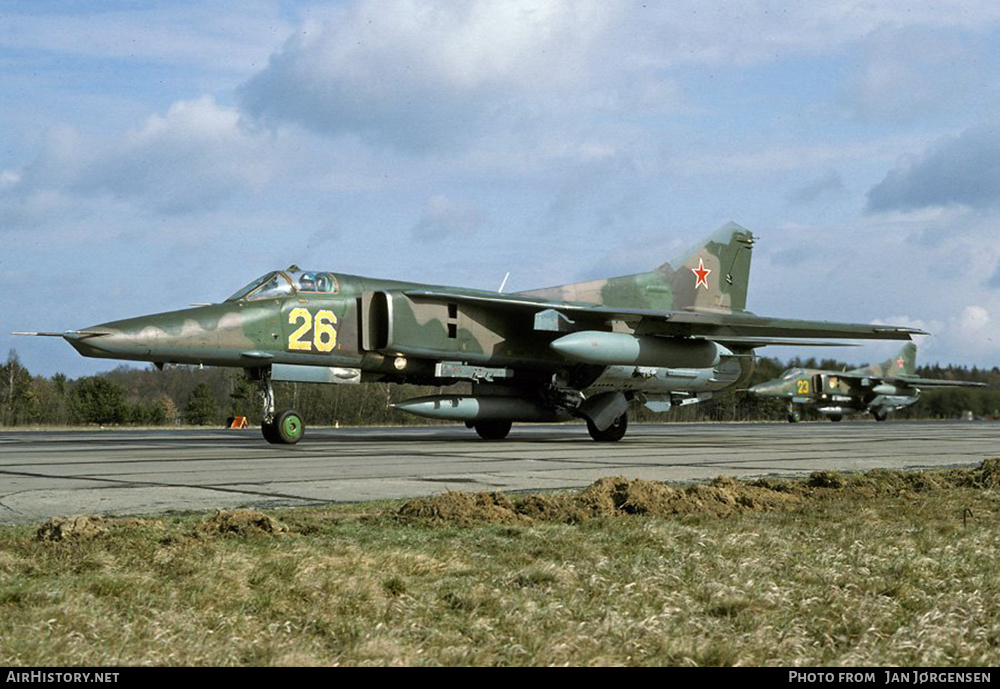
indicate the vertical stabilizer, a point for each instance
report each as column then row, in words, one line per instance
column 713, row 276
column 903, row 364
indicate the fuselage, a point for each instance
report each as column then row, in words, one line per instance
column 835, row 394
column 371, row 326
column 674, row 335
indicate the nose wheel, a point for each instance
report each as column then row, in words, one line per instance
column 794, row 416
column 286, row 428
column 278, row 428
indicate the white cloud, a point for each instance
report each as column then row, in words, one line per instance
column 424, row 75
column 957, row 171
column 444, row 218
column 221, row 35
column 829, row 183
column 194, row 156
column 908, row 74
column 974, row 320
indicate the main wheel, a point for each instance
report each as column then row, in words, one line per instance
column 492, row 430
column 880, row 415
column 289, row 427
column 836, row 418
column 611, row 434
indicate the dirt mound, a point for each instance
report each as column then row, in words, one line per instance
column 456, row 507
column 77, row 527
column 989, row 474
column 618, row 496
column 825, row 479
column 242, row 522
column 607, row 497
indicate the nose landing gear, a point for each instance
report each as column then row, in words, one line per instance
column 278, row 428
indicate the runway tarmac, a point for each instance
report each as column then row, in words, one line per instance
column 48, row 473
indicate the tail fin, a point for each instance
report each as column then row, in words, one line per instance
column 903, row 364
column 713, row 276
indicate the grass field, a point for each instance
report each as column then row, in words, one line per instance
column 875, row 569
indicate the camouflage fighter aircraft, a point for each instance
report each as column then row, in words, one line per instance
column 675, row 335
column 877, row 389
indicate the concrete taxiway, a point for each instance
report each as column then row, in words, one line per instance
column 47, row 473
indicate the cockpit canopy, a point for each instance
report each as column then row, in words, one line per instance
column 282, row 283
column 792, row 373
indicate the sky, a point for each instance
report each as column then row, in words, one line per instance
column 158, row 154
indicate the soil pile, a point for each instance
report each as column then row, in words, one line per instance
column 77, row 527
column 242, row 522
column 619, row 496
column 462, row 508
column 608, row 497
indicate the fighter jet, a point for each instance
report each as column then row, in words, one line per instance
column 672, row 336
column 877, row 389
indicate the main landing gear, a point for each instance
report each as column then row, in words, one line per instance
column 497, row 429
column 492, row 430
column 279, row 428
column 611, row 434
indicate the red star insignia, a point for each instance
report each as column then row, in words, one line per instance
column 900, row 362
column 701, row 272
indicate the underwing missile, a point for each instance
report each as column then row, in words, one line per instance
column 480, row 408
column 621, row 349
column 887, row 389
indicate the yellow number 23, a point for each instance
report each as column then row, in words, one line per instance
column 324, row 337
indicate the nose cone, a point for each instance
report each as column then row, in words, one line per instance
column 186, row 336
column 137, row 339
column 768, row 389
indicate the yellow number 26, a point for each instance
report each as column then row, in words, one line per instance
column 324, row 336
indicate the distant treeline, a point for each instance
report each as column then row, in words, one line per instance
column 188, row 395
